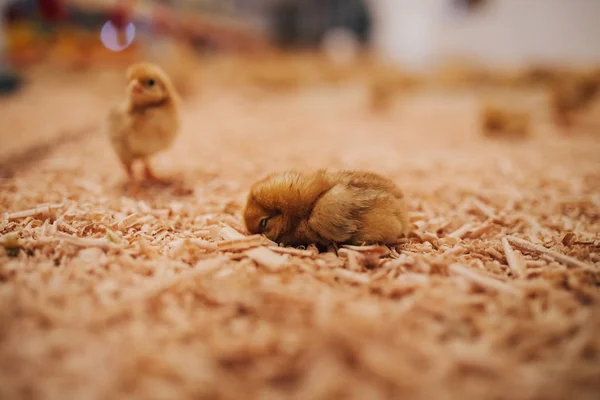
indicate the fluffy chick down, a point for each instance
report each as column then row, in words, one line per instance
column 327, row 208
column 148, row 121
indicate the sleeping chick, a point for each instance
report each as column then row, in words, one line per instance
column 326, row 208
column 148, row 121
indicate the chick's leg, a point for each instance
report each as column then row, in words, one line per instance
column 130, row 182
column 129, row 170
column 150, row 175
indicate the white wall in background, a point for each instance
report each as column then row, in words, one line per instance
column 408, row 31
column 503, row 33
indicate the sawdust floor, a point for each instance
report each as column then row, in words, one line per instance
column 135, row 311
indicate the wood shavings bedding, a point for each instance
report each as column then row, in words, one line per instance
column 158, row 293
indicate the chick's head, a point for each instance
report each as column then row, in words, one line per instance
column 278, row 204
column 262, row 220
column 148, row 85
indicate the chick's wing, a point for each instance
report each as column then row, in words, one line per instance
column 337, row 214
column 118, row 127
column 153, row 133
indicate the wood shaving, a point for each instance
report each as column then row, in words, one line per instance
column 478, row 232
column 514, row 262
column 79, row 242
column 294, row 252
column 110, row 290
column 484, row 209
column 228, row 233
column 484, row 281
column 242, row 243
column 462, row 231
column 351, row 275
column 43, row 209
column 355, row 259
column 267, row 258
column 375, row 250
column 533, row 248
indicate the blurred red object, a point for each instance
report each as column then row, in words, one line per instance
column 52, row 10
column 120, row 16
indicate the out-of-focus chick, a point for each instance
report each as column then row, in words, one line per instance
column 327, row 208
column 538, row 76
column 386, row 83
column 148, row 121
column 498, row 121
column 571, row 94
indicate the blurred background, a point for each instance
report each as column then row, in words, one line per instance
column 389, row 46
column 419, row 35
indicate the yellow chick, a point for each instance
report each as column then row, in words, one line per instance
column 147, row 122
column 327, row 208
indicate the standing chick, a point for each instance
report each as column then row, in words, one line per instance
column 326, row 208
column 148, row 121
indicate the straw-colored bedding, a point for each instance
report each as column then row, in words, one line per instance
column 111, row 292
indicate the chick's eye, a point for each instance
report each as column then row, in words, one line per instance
column 150, row 82
column 263, row 223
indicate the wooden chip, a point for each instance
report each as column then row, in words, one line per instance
column 160, row 237
column 416, row 216
column 495, row 253
column 484, row 209
column 380, row 250
column 514, row 262
column 126, row 222
column 567, row 239
column 430, row 237
column 454, row 251
column 525, row 245
column 461, row 232
column 484, row 281
column 478, row 232
column 268, row 259
column 294, row 252
column 228, row 233
column 158, row 286
column 355, row 259
column 243, row 243
column 179, row 244
column 536, row 263
column 32, row 211
column 350, row 275
column 210, row 265
column 81, row 242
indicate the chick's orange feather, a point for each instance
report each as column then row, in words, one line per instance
column 323, row 207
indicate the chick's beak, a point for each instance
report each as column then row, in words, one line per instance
column 135, row 87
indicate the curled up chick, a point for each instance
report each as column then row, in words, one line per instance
column 327, row 208
column 147, row 122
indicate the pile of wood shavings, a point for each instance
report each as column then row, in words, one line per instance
column 110, row 292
